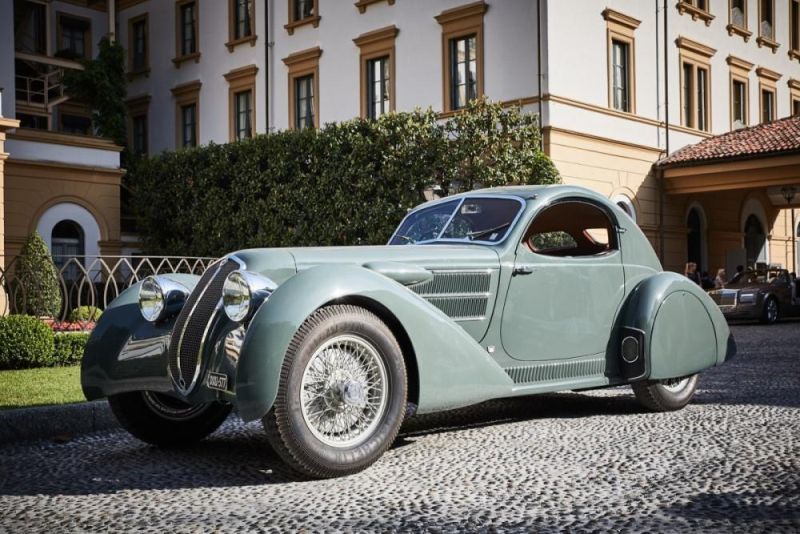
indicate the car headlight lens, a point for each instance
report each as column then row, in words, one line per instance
column 747, row 298
column 151, row 299
column 236, row 297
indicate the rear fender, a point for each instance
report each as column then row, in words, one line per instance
column 125, row 352
column 680, row 330
column 454, row 370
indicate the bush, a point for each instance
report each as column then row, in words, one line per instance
column 346, row 184
column 69, row 347
column 36, row 290
column 25, row 342
column 84, row 314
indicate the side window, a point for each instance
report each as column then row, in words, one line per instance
column 571, row 228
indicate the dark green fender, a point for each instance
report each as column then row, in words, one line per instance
column 454, row 370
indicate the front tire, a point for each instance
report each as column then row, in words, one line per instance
column 771, row 312
column 665, row 395
column 342, row 394
column 165, row 421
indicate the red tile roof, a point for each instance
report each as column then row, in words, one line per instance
column 773, row 138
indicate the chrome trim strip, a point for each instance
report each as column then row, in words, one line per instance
column 484, row 294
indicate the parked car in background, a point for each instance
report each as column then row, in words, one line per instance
column 764, row 294
column 488, row 294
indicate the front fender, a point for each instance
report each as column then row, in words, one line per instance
column 454, row 370
column 125, row 352
column 682, row 329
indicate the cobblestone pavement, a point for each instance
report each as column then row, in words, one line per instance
column 591, row 461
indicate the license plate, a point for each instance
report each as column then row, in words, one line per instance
column 217, row 381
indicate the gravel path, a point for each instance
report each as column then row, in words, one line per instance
column 729, row 462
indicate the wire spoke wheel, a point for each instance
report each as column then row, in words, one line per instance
column 675, row 385
column 344, row 391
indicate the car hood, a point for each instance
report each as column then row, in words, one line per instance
column 281, row 263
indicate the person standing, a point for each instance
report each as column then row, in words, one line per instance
column 721, row 279
column 691, row 273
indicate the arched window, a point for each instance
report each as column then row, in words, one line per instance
column 755, row 241
column 67, row 241
column 694, row 238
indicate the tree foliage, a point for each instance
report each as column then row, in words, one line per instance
column 37, row 289
column 101, row 85
column 347, row 183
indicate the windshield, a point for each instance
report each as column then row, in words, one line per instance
column 486, row 220
column 760, row 276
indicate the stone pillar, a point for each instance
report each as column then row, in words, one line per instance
column 5, row 125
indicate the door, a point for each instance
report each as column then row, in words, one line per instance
column 567, row 285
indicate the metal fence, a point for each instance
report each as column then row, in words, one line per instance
column 91, row 281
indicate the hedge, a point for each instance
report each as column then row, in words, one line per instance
column 346, row 184
column 69, row 347
column 84, row 314
column 27, row 342
column 36, row 288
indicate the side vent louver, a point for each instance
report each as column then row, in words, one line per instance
column 462, row 295
column 555, row 371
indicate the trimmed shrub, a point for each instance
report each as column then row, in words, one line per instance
column 25, row 342
column 83, row 314
column 346, row 184
column 69, row 347
column 37, row 291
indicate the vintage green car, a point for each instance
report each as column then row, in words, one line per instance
column 488, row 294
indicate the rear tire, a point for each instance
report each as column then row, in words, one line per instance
column 342, row 394
column 665, row 395
column 165, row 421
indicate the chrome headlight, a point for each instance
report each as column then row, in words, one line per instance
column 243, row 292
column 160, row 297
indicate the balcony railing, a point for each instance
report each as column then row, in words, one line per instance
column 39, row 80
column 91, row 281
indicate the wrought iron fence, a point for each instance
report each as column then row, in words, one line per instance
column 88, row 281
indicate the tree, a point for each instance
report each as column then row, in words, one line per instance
column 101, row 85
column 492, row 146
column 37, row 289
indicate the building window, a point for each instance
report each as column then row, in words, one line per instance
column 621, row 60
column 698, row 9
column 766, row 24
column 377, row 71
column 241, row 23
column 189, row 125
column 304, row 102
column 462, row 50
column 139, row 135
column 67, row 241
column 794, row 95
column 75, row 124
column 737, row 19
column 377, row 87
column 137, row 45
column 241, row 94
column 463, row 71
column 187, row 114
column 304, row 88
column 695, row 83
column 739, row 95
column 187, row 33
column 767, row 105
column 620, row 68
column 30, row 27
column 302, row 12
column 796, row 107
column 695, row 96
column 74, row 37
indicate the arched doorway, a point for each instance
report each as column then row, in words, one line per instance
column 67, row 240
column 695, row 238
column 755, row 241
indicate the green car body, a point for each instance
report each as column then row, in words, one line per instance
column 475, row 321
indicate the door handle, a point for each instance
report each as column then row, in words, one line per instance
column 521, row 270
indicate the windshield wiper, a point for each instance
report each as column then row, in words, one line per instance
column 473, row 235
column 406, row 238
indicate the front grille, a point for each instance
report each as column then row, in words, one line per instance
column 193, row 320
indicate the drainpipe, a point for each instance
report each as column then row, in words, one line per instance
column 666, row 136
column 112, row 20
column 267, row 78
column 539, row 67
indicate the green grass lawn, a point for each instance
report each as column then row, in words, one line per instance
column 37, row 387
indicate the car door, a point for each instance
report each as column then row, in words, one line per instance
column 567, row 284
